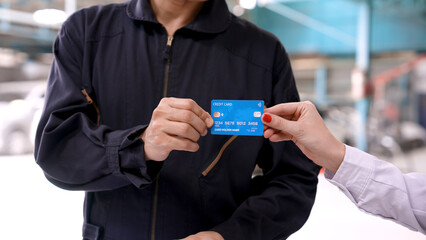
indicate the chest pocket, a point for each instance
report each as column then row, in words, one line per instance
column 95, row 106
column 218, row 156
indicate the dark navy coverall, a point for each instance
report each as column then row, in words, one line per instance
column 112, row 65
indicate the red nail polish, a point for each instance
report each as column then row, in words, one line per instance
column 267, row 118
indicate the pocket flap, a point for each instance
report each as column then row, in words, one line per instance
column 91, row 232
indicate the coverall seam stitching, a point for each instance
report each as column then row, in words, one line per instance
column 113, row 159
column 248, row 60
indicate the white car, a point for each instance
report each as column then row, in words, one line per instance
column 16, row 118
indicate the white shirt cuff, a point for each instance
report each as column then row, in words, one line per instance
column 353, row 174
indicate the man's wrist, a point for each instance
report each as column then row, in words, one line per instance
column 142, row 136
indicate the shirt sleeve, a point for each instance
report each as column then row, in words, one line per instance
column 75, row 152
column 380, row 188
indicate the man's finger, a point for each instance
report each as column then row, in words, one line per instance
column 187, row 116
column 183, row 130
column 189, row 104
column 182, row 144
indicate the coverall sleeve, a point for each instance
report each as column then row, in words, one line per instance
column 281, row 199
column 380, row 188
column 74, row 152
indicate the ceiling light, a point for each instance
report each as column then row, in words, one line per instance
column 248, row 4
column 49, row 16
column 238, row 10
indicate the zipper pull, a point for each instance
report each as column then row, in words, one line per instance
column 88, row 98
column 169, row 40
column 168, row 48
column 91, row 102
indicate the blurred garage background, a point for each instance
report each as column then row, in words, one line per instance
column 362, row 62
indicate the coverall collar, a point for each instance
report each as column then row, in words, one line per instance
column 213, row 18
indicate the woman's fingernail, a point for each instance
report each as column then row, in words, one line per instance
column 267, row 118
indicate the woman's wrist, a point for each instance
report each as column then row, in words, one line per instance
column 336, row 157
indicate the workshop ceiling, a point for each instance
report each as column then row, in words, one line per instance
column 305, row 26
column 33, row 5
column 22, row 34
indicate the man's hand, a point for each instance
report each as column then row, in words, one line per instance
column 176, row 124
column 302, row 124
column 208, row 235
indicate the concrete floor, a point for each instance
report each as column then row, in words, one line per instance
column 32, row 208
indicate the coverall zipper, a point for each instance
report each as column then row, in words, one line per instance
column 166, row 82
column 166, row 74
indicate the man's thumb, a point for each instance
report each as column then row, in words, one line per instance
column 278, row 123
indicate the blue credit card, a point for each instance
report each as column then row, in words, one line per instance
column 237, row 117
